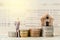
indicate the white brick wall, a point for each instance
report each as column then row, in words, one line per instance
column 33, row 21
column 29, row 17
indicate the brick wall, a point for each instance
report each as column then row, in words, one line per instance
column 31, row 18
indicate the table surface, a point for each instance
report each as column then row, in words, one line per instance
column 30, row 38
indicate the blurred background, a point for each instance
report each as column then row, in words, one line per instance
column 29, row 12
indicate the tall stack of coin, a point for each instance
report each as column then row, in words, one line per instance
column 24, row 33
column 35, row 32
column 47, row 31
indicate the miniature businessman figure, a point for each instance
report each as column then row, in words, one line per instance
column 17, row 24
